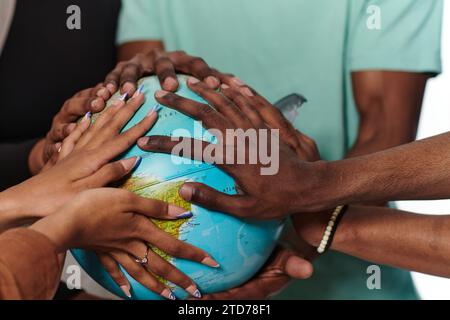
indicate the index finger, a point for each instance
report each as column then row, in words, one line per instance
column 196, row 67
column 211, row 119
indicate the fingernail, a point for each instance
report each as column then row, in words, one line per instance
column 186, row 192
column 139, row 91
column 131, row 163
column 247, row 92
column 58, row 147
column 225, row 86
column 160, row 93
column 185, row 215
column 87, row 116
column 194, row 291
column 127, row 87
column 166, row 293
column 193, row 80
column 178, row 212
column 210, row 262
column 143, row 141
column 137, row 163
column 101, row 92
column 212, row 82
column 238, row 81
column 170, row 83
column 126, row 290
column 111, row 87
column 123, row 97
column 94, row 104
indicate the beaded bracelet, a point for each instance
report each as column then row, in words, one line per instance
column 330, row 230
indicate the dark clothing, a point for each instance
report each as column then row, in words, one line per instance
column 43, row 64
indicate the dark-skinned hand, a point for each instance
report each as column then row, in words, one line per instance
column 261, row 196
column 163, row 64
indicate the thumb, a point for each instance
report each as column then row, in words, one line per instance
column 298, row 268
column 212, row 199
column 113, row 172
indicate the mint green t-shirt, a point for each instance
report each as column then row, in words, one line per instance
column 310, row 47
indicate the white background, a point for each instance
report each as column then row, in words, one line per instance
column 435, row 119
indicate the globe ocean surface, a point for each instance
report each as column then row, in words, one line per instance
column 240, row 246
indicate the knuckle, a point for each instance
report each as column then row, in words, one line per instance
column 160, row 269
column 205, row 111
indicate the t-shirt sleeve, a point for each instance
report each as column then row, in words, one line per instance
column 139, row 20
column 399, row 35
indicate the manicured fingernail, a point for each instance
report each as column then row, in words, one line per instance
column 87, row 116
column 225, row 86
column 128, row 87
column 210, row 262
column 111, row 87
column 123, row 97
column 137, row 163
column 58, row 147
column 238, row 81
column 170, row 83
column 140, row 90
column 193, row 80
column 131, row 163
column 166, row 293
column 143, row 141
column 186, row 192
column 161, row 93
column 194, row 291
column 185, row 215
column 178, row 212
column 247, row 92
column 126, row 290
column 156, row 108
column 212, row 82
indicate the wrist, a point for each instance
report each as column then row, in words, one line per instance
column 13, row 212
column 56, row 230
column 311, row 228
column 323, row 190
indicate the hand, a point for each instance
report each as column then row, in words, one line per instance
column 262, row 196
column 164, row 65
column 89, row 100
column 83, row 162
column 115, row 222
column 279, row 270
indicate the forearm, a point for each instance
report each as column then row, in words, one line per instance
column 419, row 170
column 12, row 212
column 386, row 236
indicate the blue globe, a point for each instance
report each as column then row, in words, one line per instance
column 240, row 246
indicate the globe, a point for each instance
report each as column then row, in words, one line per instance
column 240, row 246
